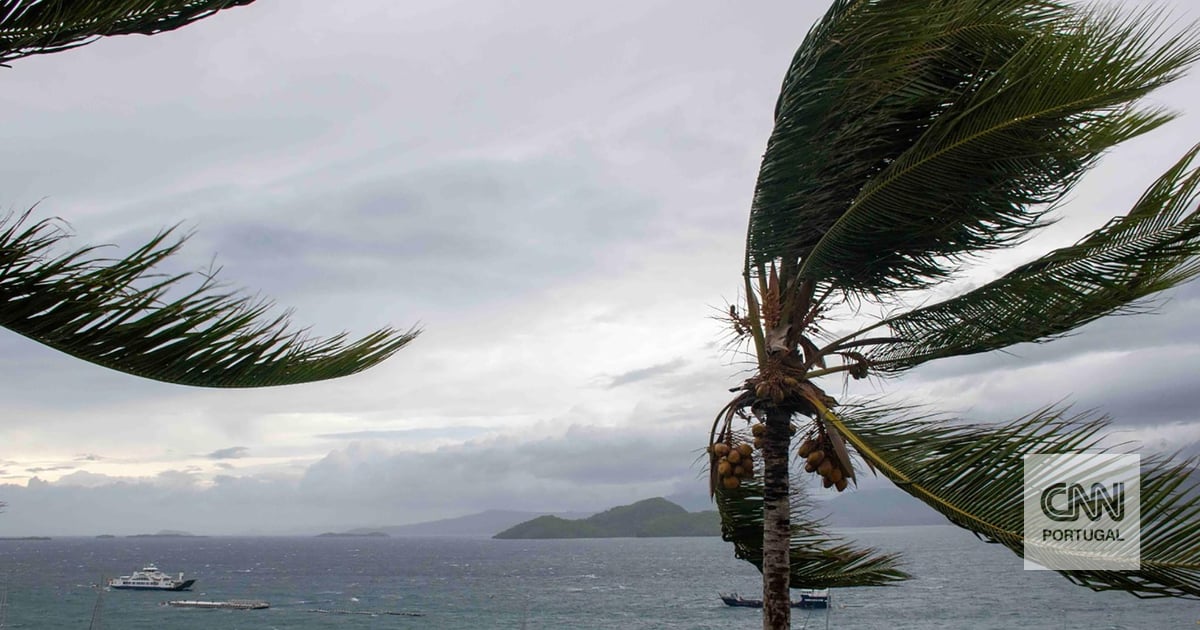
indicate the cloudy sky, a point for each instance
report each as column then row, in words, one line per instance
column 555, row 192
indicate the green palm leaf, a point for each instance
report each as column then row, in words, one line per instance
column 865, row 83
column 120, row 313
column 1154, row 247
column 31, row 27
column 818, row 560
column 973, row 475
column 909, row 135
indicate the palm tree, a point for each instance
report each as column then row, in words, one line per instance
column 909, row 138
column 120, row 312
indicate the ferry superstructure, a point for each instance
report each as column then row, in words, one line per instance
column 149, row 578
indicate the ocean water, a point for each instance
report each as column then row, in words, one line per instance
column 480, row 583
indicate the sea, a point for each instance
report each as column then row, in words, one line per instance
column 622, row 583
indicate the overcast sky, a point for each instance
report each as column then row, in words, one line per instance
column 556, row 192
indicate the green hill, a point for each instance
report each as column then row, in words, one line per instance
column 656, row 517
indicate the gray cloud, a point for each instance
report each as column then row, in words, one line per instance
column 586, row 469
column 458, row 432
column 42, row 469
column 233, row 452
column 634, row 376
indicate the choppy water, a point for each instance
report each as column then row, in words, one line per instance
column 478, row 583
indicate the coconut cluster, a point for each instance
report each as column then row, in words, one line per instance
column 734, row 463
column 819, row 457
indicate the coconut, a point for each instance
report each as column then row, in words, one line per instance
column 826, row 482
column 807, row 447
column 835, row 475
column 724, row 468
column 809, row 467
column 745, row 449
column 815, row 457
column 758, row 429
column 738, row 471
column 841, row 484
column 731, row 483
column 720, row 449
column 734, row 456
column 825, row 468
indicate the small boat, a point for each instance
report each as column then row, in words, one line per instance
column 808, row 598
column 814, row 597
column 150, row 579
column 236, row 604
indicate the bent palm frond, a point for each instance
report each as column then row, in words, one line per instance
column 1154, row 247
column 118, row 314
column 973, row 475
column 818, row 560
column 898, row 151
column 33, row 27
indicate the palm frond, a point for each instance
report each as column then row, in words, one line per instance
column 117, row 313
column 1154, row 247
column 818, row 560
column 973, row 475
column 911, row 134
column 31, row 27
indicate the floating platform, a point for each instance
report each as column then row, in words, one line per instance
column 237, row 604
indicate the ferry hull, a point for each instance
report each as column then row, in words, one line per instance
column 182, row 586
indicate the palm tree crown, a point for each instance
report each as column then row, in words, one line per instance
column 909, row 138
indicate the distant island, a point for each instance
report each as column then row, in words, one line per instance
column 353, row 535
column 25, row 538
column 479, row 525
column 651, row 518
column 166, row 533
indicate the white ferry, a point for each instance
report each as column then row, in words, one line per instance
column 151, row 579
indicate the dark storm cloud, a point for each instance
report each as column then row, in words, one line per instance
column 589, row 459
column 233, row 452
column 634, row 376
column 420, row 232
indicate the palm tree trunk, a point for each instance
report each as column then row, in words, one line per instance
column 776, row 521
